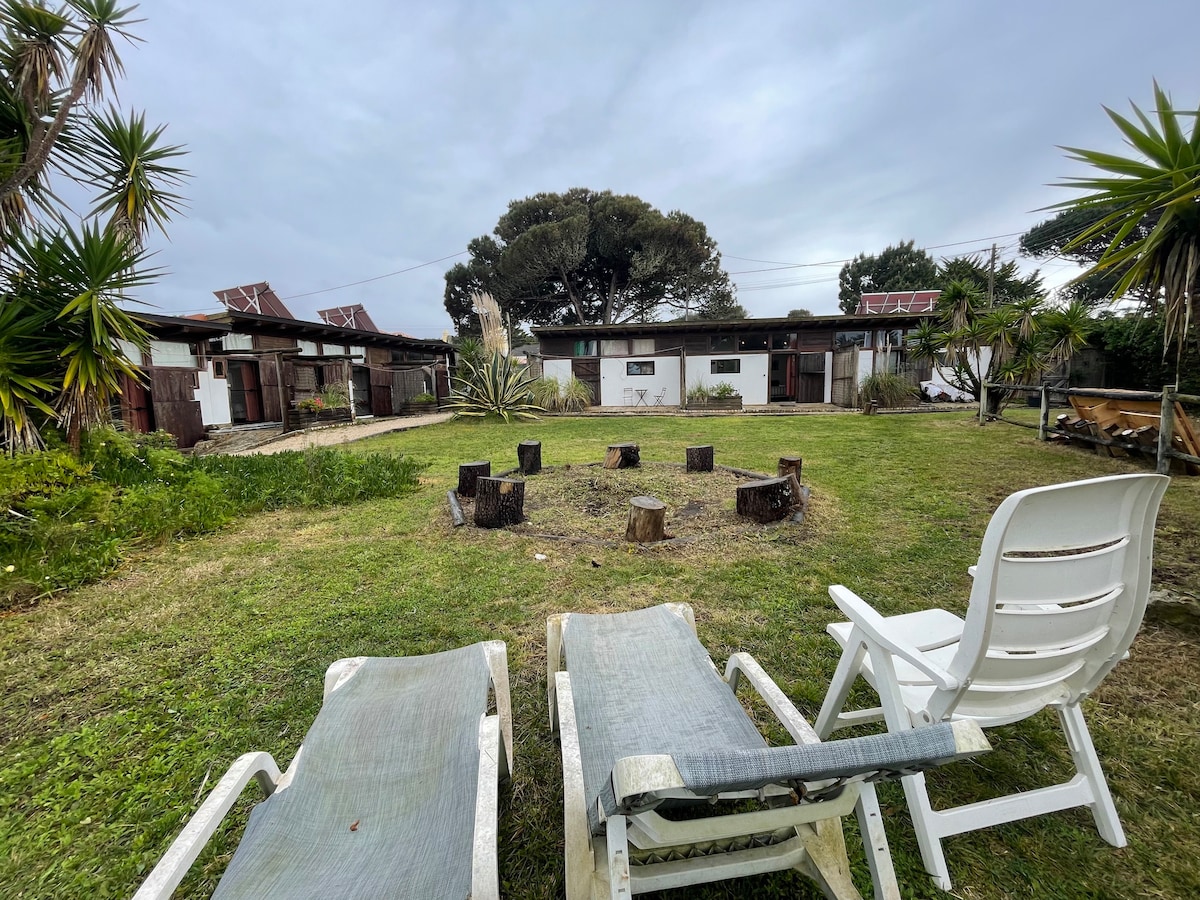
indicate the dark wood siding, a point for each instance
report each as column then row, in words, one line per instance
column 270, row 379
column 381, row 381
column 269, row 342
column 176, row 409
column 558, row 347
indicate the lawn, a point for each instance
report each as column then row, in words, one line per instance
column 124, row 701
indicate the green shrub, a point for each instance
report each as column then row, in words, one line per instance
column 65, row 521
column 698, row 392
column 572, row 395
column 888, row 390
column 722, row 390
column 425, row 397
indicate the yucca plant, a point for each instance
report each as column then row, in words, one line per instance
column 1162, row 181
column 499, row 387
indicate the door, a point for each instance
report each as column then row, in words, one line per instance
column 361, row 377
column 783, row 377
column 811, row 387
column 245, row 392
column 587, row 370
column 845, row 376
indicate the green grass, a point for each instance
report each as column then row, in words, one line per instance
column 119, row 698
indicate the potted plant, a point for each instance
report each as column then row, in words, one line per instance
column 721, row 395
column 422, row 403
column 331, row 405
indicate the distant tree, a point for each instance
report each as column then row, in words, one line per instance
column 590, row 257
column 1163, row 180
column 1049, row 240
column 898, row 268
column 799, row 313
column 1008, row 285
column 721, row 309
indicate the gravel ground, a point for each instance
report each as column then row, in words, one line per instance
column 343, row 434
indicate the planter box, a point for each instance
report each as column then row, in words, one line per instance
column 307, row 418
column 734, row 402
column 424, row 408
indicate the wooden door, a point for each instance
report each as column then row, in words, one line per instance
column 587, row 370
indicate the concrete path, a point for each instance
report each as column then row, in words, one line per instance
column 343, row 434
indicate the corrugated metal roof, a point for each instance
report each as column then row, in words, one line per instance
column 898, row 302
column 254, row 298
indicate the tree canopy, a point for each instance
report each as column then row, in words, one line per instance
column 591, row 257
column 898, row 268
column 63, row 332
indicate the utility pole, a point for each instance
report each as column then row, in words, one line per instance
column 992, row 279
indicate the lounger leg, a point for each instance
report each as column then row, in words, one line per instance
column 554, row 633
column 485, row 883
column 875, row 844
column 827, row 863
column 619, row 887
column 578, row 852
column 839, row 689
column 1104, row 811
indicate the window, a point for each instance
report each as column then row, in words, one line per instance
column 643, row 346
column 783, row 341
column 725, row 366
column 585, row 348
column 851, row 338
column 218, row 368
column 721, row 343
column 615, row 348
column 639, row 368
column 889, row 338
column 752, row 342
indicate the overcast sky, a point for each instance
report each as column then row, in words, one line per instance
column 333, row 143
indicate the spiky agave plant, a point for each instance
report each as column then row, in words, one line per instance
column 498, row 386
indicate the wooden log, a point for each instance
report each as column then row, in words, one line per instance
column 767, row 500
column 470, row 473
column 456, row 510
column 790, row 465
column 1147, row 436
column 647, row 516
column 622, row 456
column 529, row 457
column 700, row 458
column 499, row 502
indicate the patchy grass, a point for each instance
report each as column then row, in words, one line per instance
column 119, row 698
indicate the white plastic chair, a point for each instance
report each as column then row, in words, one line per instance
column 1059, row 593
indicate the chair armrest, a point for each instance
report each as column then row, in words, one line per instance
column 637, row 779
column 743, row 665
column 874, row 627
column 165, row 876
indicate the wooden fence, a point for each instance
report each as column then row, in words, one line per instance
column 1169, row 425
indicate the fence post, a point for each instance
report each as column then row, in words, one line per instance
column 1166, row 431
column 1045, row 419
column 983, row 388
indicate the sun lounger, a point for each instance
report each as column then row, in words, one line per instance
column 651, row 733
column 394, row 792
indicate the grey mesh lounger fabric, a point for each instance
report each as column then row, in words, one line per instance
column 383, row 800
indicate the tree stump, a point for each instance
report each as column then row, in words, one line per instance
column 622, row 456
column 469, row 474
column 700, row 459
column 646, row 518
column 767, row 500
column 499, row 502
column 529, row 457
column 789, row 467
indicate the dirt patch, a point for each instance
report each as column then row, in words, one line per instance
column 590, row 504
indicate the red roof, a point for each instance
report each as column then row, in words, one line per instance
column 254, row 298
column 898, row 302
column 352, row 316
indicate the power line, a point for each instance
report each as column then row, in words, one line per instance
column 431, row 262
column 837, row 262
